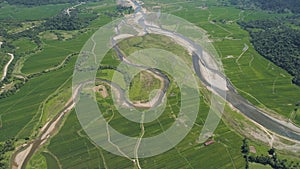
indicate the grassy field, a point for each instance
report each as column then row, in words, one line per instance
column 20, row 109
column 109, row 74
column 51, row 161
column 142, row 85
column 24, row 45
column 22, row 13
column 37, row 161
column 258, row 166
column 53, row 53
column 56, row 101
column 297, row 117
column 132, row 45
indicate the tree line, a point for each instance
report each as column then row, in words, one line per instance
column 120, row 11
column 270, row 159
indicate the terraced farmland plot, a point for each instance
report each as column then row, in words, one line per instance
column 24, row 45
column 18, row 110
column 53, row 53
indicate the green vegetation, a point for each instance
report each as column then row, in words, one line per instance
column 142, row 85
column 72, row 21
column 51, row 161
column 56, row 102
column 132, row 45
column 270, row 159
column 297, row 114
column 7, row 146
column 49, row 67
column 20, row 13
column 74, row 150
column 110, row 74
column 261, row 82
column 19, row 112
column 258, row 166
column 119, row 11
column 72, row 139
column 278, row 42
column 53, row 54
column 24, row 46
column 47, row 53
column 37, row 161
column 282, row 6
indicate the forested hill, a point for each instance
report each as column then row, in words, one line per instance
column 42, row 2
column 282, row 6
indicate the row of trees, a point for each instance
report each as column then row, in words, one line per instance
column 269, row 159
column 120, row 11
column 278, row 42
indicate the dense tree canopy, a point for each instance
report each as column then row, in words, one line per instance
column 66, row 22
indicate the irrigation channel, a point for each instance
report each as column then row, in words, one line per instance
column 227, row 92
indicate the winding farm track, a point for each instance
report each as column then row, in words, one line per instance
column 6, row 66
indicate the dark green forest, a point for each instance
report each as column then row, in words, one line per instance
column 63, row 21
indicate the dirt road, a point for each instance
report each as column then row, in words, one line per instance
column 6, row 66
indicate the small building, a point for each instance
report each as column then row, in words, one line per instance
column 209, row 142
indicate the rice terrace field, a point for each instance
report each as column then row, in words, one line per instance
column 40, row 126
